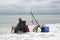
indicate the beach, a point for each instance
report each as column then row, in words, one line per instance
column 53, row 34
column 52, row 20
column 41, row 15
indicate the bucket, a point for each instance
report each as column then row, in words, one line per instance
column 45, row 29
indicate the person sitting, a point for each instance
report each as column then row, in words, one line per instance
column 21, row 26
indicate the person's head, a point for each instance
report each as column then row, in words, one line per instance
column 20, row 19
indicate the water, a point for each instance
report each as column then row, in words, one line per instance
column 9, row 20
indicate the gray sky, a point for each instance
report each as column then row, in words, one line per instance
column 26, row 6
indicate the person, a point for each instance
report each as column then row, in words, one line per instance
column 20, row 26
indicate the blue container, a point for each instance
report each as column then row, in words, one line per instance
column 45, row 29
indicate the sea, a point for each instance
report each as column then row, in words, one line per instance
column 11, row 20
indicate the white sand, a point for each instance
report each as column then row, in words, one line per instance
column 54, row 34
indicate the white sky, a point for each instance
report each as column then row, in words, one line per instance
column 26, row 6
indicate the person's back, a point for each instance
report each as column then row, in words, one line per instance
column 20, row 26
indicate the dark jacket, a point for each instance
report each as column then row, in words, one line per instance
column 21, row 26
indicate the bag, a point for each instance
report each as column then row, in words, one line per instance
column 26, row 28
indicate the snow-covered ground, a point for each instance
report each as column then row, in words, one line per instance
column 54, row 34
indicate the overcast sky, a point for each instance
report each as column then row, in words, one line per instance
column 26, row 6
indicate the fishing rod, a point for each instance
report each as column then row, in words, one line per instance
column 34, row 19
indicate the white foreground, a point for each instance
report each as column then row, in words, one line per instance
column 54, row 34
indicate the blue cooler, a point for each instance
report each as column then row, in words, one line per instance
column 45, row 29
